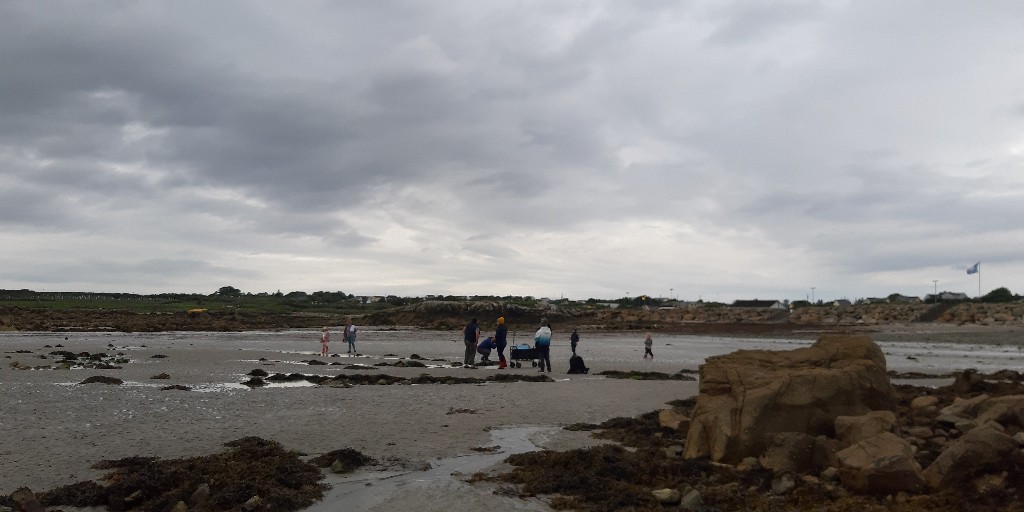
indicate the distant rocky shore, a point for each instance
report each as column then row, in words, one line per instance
column 442, row 315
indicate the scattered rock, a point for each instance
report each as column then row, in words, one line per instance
column 201, row 496
column 974, row 451
column 667, row 496
column 253, row 503
column 691, row 501
column 160, row 376
column 103, row 379
column 784, row 483
column 854, row 429
column 26, row 500
column 880, row 465
column 674, row 419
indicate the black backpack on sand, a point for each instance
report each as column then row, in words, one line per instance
column 576, row 365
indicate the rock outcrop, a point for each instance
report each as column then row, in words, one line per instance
column 749, row 395
column 881, row 464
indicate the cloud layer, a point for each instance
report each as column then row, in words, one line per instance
column 581, row 149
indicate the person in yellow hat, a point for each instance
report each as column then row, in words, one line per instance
column 500, row 334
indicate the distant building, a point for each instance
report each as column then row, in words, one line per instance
column 946, row 296
column 760, row 304
column 842, row 303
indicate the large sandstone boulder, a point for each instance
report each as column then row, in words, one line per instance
column 747, row 396
column 882, row 464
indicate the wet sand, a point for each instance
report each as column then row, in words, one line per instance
column 55, row 428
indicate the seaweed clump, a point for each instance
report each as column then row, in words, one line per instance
column 635, row 375
column 254, row 467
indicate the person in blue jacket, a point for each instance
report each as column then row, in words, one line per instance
column 484, row 349
column 542, row 344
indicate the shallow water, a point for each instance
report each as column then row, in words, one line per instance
column 364, row 491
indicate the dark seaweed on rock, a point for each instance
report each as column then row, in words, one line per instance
column 103, row 379
column 254, row 467
column 643, row 431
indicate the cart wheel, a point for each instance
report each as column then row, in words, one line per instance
column 534, row 363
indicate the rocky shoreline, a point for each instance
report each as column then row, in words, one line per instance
column 440, row 315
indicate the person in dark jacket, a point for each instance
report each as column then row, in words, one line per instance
column 500, row 340
column 471, row 336
column 573, row 340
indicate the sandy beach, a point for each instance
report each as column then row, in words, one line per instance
column 55, row 428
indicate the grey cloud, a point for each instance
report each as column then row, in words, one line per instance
column 863, row 137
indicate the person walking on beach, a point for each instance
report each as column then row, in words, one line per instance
column 325, row 338
column 542, row 344
column 471, row 336
column 350, row 337
column 648, row 343
column 500, row 340
column 573, row 340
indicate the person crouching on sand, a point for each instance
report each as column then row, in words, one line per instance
column 325, row 338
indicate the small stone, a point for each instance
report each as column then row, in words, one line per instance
column 783, row 484
column 667, row 496
column 201, row 495
column 830, row 475
column 180, row 507
column 253, row 503
column 674, row 451
column 692, row 501
column 987, row 484
column 26, row 500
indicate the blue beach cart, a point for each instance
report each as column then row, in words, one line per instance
column 522, row 352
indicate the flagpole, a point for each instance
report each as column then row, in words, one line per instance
column 979, row 280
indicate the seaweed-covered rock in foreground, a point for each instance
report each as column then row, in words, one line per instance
column 253, row 467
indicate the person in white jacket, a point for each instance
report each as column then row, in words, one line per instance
column 542, row 344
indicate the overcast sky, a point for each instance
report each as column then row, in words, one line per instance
column 709, row 150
